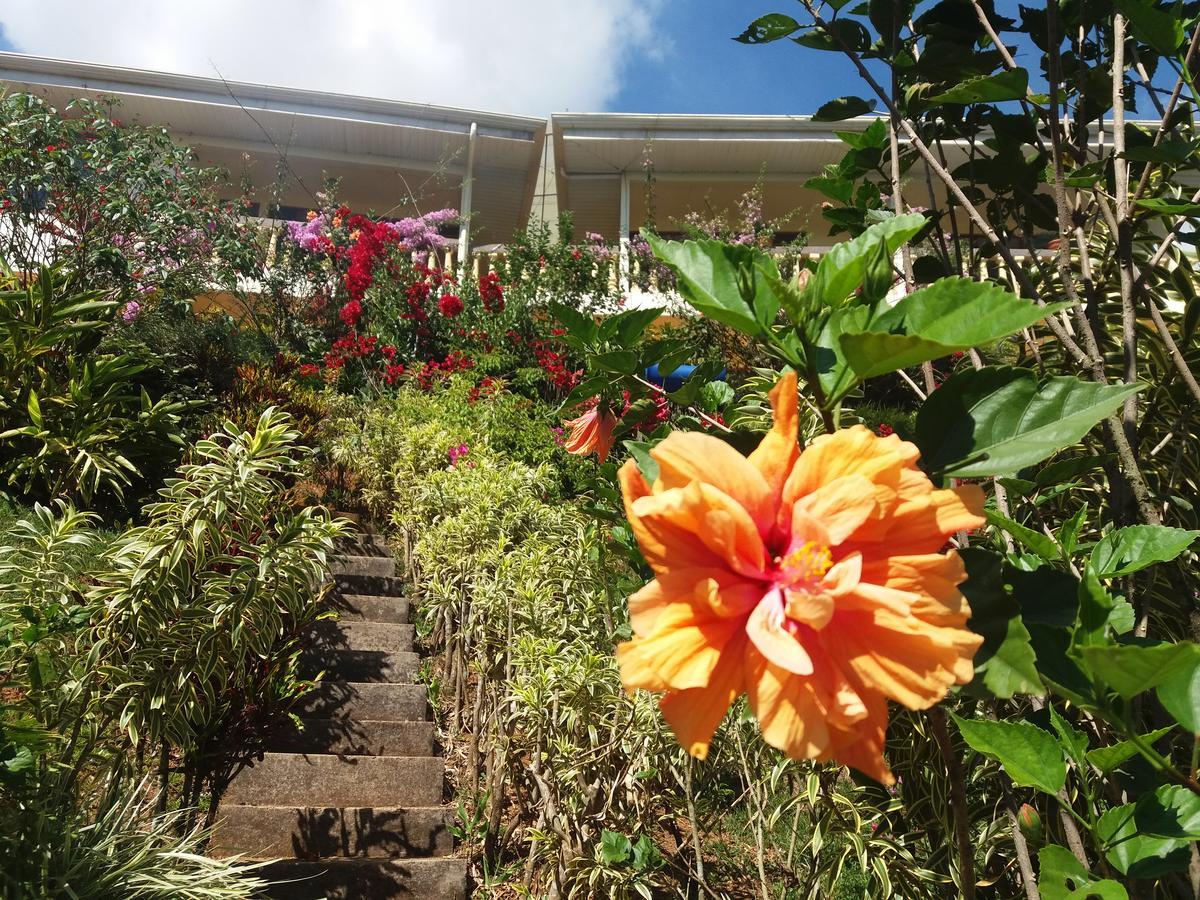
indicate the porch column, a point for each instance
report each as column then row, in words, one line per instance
column 623, row 258
column 464, row 207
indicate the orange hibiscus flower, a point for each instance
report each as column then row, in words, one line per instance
column 811, row 582
column 591, row 433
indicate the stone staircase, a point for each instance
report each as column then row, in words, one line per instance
column 351, row 804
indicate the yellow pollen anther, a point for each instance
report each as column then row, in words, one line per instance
column 809, row 561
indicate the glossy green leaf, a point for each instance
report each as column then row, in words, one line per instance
column 1000, row 419
column 1030, row 755
column 578, row 324
column 1008, row 85
column 1136, row 547
column 1160, row 29
column 842, row 269
column 1179, row 693
column 1062, row 877
column 1130, row 669
column 950, row 315
column 1170, row 206
column 1041, row 544
column 1108, row 758
column 728, row 283
column 1150, row 838
column 843, row 108
column 768, row 28
column 1005, row 663
column 626, row 327
column 621, row 362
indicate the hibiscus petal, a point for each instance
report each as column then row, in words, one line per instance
column 851, row 451
column 841, row 506
column 904, row 658
column 787, row 709
column 776, row 643
column 687, row 456
column 695, row 714
column 681, row 652
column 699, row 513
column 778, row 451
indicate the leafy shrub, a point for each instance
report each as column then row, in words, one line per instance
column 72, row 423
column 176, row 640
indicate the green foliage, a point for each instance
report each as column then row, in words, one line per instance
column 73, row 424
column 999, row 420
column 1031, row 757
column 178, row 637
column 119, row 207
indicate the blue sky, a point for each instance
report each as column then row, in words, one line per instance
column 703, row 70
column 540, row 56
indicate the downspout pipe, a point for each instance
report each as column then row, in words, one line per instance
column 464, row 206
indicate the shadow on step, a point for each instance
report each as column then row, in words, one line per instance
column 366, row 832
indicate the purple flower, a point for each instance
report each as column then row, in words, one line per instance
column 130, row 311
column 307, row 235
column 421, row 232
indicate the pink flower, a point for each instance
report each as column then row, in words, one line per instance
column 130, row 311
column 457, row 453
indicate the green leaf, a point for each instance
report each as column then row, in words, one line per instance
column 1039, row 543
column 1008, row 85
column 768, row 28
column 614, row 847
column 1160, row 29
column 1005, row 663
column 622, row 362
column 1062, row 877
column 999, row 419
column 626, row 327
column 1130, row 669
column 1150, row 838
column 843, row 268
column 580, row 325
column 729, row 283
column 843, row 108
column 1179, row 693
column 1030, row 755
column 836, row 36
column 1170, row 206
column 1099, row 611
column 1108, row 758
column 950, row 315
column 1136, row 547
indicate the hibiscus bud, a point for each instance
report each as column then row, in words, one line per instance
column 1031, row 824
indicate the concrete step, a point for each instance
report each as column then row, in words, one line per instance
column 297, row 779
column 367, row 879
column 361, row 737
column 363, row 565
column 366, row 543
column 312, row 832
column 369, row 608
column 356, row 700
column 380, row 585
column 399, row 667
column 331, row 634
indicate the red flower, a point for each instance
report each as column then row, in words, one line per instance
column 392, row 373
column 351, row 313
column 450, row 305
column 308, row 370
column 885, row 429
column 491, row 292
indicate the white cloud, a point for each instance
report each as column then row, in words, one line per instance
column 520, row 56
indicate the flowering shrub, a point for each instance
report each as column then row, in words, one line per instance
column 116, row 207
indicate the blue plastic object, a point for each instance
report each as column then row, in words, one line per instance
column 674, row 381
